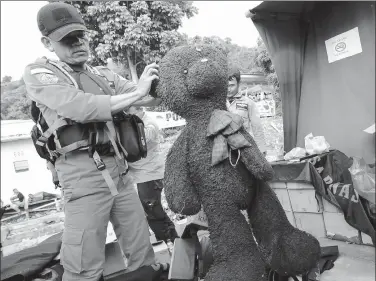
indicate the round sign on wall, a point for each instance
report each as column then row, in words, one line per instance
column 340, row 47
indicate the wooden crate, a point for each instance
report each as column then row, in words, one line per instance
column 335, row 224
column 329, row 207
column 284, row 198
column 277, row 185
column 299, row 185
column 304, row 201
column 312, row 223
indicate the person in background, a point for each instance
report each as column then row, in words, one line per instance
column 148, row 174
column 2, row 209
column 17, row 200
column 246, row 108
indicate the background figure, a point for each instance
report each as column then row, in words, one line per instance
column 246, row 108
column 2, row 209
column 17, row 200
column 148, row 173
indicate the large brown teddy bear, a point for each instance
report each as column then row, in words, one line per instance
column 216, row 165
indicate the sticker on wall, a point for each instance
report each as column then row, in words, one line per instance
column 344, row 45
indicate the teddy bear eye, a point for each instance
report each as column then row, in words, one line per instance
column 185, row 71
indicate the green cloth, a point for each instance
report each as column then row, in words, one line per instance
column 225, row 127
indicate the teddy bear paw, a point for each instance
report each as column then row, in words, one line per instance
column 294, row 252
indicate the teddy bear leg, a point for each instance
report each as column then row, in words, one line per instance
column 235, row 254
column 285, row 248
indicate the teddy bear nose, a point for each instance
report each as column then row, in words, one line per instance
column 204, row 77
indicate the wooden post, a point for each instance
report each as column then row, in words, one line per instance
column 27, row 209
column 57, row 204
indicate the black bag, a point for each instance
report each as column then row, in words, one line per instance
column 131, row 127
column 131, row 135
column 36, row 134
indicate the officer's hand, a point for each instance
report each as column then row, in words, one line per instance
column 144, row 83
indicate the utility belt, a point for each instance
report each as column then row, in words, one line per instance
column 94, row 139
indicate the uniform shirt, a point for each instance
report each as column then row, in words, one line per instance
column 247, row 109
column 60, row 98
column 153, row 166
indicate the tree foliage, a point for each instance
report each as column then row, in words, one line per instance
column 14, row 102
column 133, row 33
column 6, row 79
column 264, row 62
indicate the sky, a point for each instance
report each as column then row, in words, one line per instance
column 20, row 37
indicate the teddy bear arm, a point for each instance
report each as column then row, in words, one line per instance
column 181, row 195
column 254, row 160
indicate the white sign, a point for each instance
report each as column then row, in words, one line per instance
column 266, row 108
column 166, row 119
column 370, row 129
column 344, row 45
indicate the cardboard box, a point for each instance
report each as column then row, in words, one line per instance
column 283, row 198
column 311, row 223
column 335, row 224
column 162, row 254
column 198, row 219
column 183, row 260
column 304, row 201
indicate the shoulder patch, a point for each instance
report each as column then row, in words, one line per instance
column 46, row 78
column 40, row 70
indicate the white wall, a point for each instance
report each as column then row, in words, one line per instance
column 37, row 178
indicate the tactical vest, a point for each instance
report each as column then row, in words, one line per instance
column 70, row 135
column 65, row 135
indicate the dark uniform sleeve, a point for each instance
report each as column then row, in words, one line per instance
column 45, row 87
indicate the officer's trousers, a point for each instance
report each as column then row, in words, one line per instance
column 89, row 206
column 150, row 196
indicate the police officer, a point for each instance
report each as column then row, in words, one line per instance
column 92, row 172
column 148, row 174
column 246, row 108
